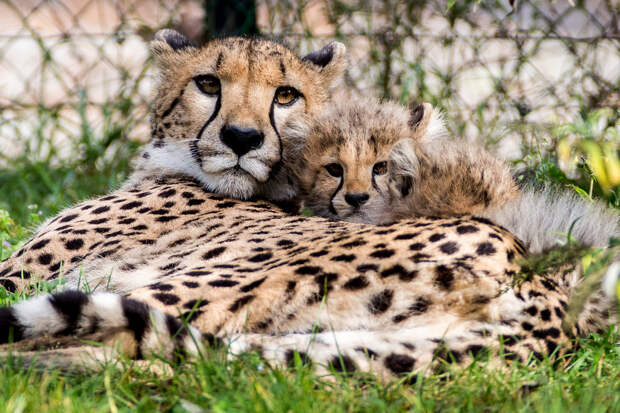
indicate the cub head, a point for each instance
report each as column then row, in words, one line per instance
column 227, row 113
column 356, row 154
column 376, row 162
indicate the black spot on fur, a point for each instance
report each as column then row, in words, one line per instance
column 544, row 332
column 394, row 270
column 532, row 310
column 161, row 287
column 307, row 270
column 343, row 258
column 131, row 205
column 40, row 244
column 44, row 259
column 355, row 243
column 382, row 253
column 364, row 268
column 261, row 257
column 399, row 363
column 168, row 193
column 74, row 244
column 357, row 283
column 195, row 304
column 223, row 283
column 436, row 237
column 368, row 352
column 319, row 253
column 343, row 364
column 194, row 202
column 240, row 302
column 417, row 246
column 408, row 275
column 380, row 302
column 10, row 287
column 227, row 204
column 527, row 326
column 485, row 248
column 406, row 236
column 476, row 349
column 166, row 218
column 101, row 210
column 215, row 252
column 289, row 356
column 168, row 299
column 449, row 248
column 68, row 218
column 21, row 274
column 444, row 277
column 467, row 229
column 249, row 287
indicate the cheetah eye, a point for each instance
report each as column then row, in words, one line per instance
column 286, row 95
column 208, row 84
column 380, row 168
column 334, row 169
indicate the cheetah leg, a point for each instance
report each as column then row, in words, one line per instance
column 390, row 354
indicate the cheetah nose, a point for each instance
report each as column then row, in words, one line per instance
column 356, row 200
column 241, row 140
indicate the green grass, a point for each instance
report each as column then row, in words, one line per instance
column 34, row 190
column 590, row 382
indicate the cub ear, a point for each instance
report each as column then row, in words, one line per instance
column 420, row 118
column 330, row 61
column 168, row 40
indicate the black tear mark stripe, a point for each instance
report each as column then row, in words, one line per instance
column 193, row 146
column 174, row 103
column 276, row 167
column 332, row 209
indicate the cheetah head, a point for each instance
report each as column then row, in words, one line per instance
column 360, row 156
column 227, row 113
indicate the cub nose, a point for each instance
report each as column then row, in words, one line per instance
column 241, row 140
column 356, row 200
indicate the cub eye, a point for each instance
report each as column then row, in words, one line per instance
column 286, row 95
column 379, row 168
column 208, row 84
column 334, row 169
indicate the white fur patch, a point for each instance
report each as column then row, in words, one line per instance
column 610, row 281
column 38, row 316
column 107, row 308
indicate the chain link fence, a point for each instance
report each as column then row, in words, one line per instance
column 71, row 69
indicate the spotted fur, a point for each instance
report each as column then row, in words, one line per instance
column 165, row 252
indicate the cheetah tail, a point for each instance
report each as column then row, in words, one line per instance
column 76, row 313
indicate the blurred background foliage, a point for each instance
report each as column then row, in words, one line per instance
column 535, row 81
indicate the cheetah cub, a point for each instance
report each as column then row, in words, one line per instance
column 377, row 162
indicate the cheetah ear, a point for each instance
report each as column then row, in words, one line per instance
column 420, row 117
column 168, row 40
column 331, row 60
